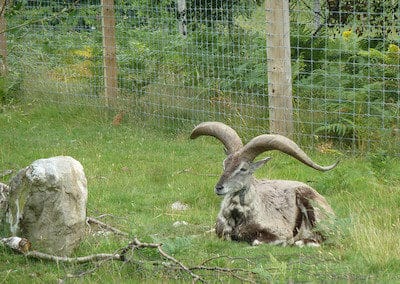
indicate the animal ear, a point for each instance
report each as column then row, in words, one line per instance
column 256, row 165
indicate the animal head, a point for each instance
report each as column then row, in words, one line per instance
column 239, row 165
column 237, row 175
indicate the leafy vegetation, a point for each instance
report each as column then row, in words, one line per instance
column 345, row 82
column 367, row 93
column 135, row 174
column 10, row 89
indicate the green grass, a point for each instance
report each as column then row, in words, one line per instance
column 135, row 173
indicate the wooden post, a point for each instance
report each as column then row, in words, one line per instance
column 109, row 52
column 3, row 39
column 279, row 67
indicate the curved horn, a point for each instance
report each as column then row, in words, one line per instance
column 268, row 142
column 222, row 132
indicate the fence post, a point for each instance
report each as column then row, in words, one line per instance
column 109, row 52
column 279, row 67
column 3, row 39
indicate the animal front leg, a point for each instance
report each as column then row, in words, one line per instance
column 223, row 229
column 274, row 243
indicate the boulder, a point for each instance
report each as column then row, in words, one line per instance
column 4, row 190
column 47, row 204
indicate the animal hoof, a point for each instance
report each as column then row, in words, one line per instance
column 301, row 244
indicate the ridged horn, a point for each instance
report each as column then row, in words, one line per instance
column 268, row 142
column 222, row 132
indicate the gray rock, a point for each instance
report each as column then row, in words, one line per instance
column 179, row 206
column 47, row 204
column 4, row 190
column 180, row 224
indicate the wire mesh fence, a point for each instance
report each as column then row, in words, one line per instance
column 186, row 61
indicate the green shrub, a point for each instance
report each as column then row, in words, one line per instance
column 10, row 89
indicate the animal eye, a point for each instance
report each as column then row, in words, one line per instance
column 243, row 169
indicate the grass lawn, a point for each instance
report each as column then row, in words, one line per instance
column 136, row 173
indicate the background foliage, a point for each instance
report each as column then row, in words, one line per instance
column 345, row 59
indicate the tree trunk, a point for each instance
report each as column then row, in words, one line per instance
column 3, row 39
column 182, row 17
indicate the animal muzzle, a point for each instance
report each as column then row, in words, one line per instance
column 220, row 189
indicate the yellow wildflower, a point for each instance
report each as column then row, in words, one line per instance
column 87, row 52
column 346, row 34
column 393, row 54
column 393, row 48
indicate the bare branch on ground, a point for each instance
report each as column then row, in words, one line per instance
column 22, row 246
column 103, row 225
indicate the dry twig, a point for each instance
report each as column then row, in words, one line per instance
column 22, row 246
column 103, row 225
column 68, row 9
column 18, row 244
column 138, row 244
column 82, row 259
column 6, row 173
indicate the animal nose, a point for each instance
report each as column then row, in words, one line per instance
column 219, row 188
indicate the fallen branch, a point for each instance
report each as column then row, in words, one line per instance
column 138, row 244
column 225, row 256
column 78, row 260
column 230, row 271
column 6, row 173
column 17, row 244
column 103, row 225
column 22, row 245
column 65, row 10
